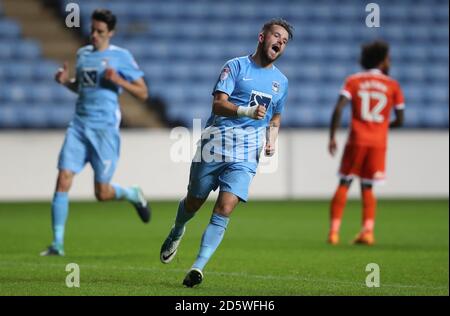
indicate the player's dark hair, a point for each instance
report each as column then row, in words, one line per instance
column 373, row 53
column 281, row 22
column 106, row 16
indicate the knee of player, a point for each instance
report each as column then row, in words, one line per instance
column 224, row 209
column 193, row 204
column 62, row 187
column 64, row 182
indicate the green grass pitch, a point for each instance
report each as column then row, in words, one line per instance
column 270, row 248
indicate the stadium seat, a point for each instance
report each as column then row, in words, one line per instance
column 9, row 116
column 436, row 94
column 437, row 73
column 9, row 29
column 19, row 50
column 436, row 116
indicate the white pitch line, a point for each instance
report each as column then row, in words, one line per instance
column 232, row 274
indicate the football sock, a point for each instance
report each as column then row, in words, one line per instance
column 182, row 218
column 211, row 239
column 129, row 194
column 337, row 208
column 60, row 209
column 369, row 206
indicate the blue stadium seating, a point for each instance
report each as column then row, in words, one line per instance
column 414, row 116
column 9, row 29
column 29, row 98
column 182, row 46
column 19, row 50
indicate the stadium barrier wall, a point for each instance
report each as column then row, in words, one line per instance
column 417, row 165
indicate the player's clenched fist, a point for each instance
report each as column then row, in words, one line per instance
column 113, row 76
column 260, row 112
column 271, row 136
column 257, row 112
column 269, row 149
column 332, row 146
column 62, row 75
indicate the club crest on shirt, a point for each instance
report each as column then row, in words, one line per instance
column 224, row 73
column 104, row 62
column 275, row 86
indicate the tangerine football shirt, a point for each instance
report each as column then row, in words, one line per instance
column 373, row 95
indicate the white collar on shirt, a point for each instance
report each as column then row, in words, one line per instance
column 375, row 71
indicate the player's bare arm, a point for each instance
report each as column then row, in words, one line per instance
column 62, row 77
column 223, row 107
column 137, row 88
column 272, row 134
column 335, row 121
column 399, row 117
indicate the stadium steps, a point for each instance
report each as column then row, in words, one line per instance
column 37, row 22
column 42, row 24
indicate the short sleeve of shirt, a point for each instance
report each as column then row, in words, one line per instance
column 228, row 77
column 280, row 105
column 346, row 90
column 399, row 101
column 128, row 68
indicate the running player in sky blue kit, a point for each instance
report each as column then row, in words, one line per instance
column 249, row 97
column 102, row 71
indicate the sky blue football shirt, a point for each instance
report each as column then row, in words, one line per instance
column 97, row 104
column 246, row 84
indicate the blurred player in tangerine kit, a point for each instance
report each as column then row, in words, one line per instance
column 372, row 94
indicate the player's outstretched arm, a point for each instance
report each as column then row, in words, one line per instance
column 223, row 107
column 62, row 77
column 399, row 117
column 335, row 122
column 272, row 134
column 137, row 88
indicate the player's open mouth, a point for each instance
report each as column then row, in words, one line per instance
column 275, row 48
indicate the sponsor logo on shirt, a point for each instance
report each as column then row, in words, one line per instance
column 89, row 77
column 105, row 62
column 260, row 98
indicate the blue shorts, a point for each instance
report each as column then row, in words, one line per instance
column 99, row 147
column 233, row 177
